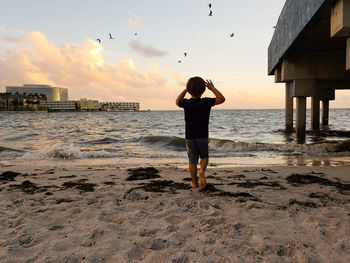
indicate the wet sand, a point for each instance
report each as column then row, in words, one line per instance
column 111, row 214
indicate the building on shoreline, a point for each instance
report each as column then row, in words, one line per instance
column 51, row 93
column 33, row 97
column 88, row 105
column 119, row 106
column 69, row 105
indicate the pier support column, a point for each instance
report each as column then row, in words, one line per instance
column 325, row 112
column 301, row 117
column 289, row 108
column 315, row 111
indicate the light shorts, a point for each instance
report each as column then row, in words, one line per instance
column 197, row 148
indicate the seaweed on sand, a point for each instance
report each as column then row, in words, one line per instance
column 8, row 176
column 243, row 197
column 303, row 179
column 80, row 185
column 250, row 184
column 143, row 173
column 28, row 187
column 160, row 186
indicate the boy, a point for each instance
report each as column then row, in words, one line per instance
column 197, row 111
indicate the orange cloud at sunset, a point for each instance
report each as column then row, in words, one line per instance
column 83, row 70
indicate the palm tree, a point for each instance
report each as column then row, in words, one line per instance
column 2, row 100
column 43, row 97
column 7, row 99
column 17, row 97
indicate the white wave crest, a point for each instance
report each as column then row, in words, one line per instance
column 331, row 148
column 67, row 152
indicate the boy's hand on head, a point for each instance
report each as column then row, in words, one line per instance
column 209, row 84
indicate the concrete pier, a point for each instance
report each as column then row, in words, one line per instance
column 301, row 117
column 325, row 112
column 315, row 111
column 310, row 52
column 289, row 108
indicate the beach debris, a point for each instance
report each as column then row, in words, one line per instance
column 251, row 184
column 210, row 13
column 212, row 190
column 67, row 176
column 80, row 185
column 63, row 200
column 303, row 179
column 143, row 173
column 159, row 186
column 237, row 176
column 9, row 176
column 28, row 187
column 179, row 61
column 109, row 183
column 232, row 35
column 98, row 41
column 55, row 227
column 302, row 203
column 110, row 36
column 185, row 54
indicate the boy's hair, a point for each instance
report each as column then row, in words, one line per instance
column 196, row 86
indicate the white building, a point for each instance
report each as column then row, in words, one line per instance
column 120, row 106
column 69, row 105
column 52, row 93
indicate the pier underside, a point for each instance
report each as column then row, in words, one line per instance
column 315, row 62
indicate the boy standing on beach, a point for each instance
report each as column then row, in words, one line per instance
column 197, row 111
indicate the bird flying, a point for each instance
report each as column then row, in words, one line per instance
column 210, row 5
column 232, row 35
column 110, row 36
column 98, row 41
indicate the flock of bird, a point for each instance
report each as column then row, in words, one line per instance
column 185, row 53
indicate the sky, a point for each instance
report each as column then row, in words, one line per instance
column 55, row 42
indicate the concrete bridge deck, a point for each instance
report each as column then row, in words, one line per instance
column 310, row 52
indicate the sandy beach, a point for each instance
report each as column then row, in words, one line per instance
column 150, row 214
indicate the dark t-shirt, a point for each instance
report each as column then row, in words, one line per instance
column 197, row 113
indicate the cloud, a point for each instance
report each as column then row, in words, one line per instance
column 146, row 51
column 134, row 21
column 85, row 72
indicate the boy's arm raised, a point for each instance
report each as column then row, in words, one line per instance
column 219, row 97
column 181, row 96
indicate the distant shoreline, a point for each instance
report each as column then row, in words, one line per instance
column 26, row 112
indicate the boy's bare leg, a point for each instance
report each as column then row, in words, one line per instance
column 193, row 173
column 202, row 181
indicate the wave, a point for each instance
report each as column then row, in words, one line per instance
column 326, row 148
column 166, row 141
column 6, row 149
column 68, row 152
column 105, row 140
column 228, row 146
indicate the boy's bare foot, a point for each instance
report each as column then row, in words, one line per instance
column 194, row 185
column 202, row 182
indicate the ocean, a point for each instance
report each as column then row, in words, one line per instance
column 237, row 138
